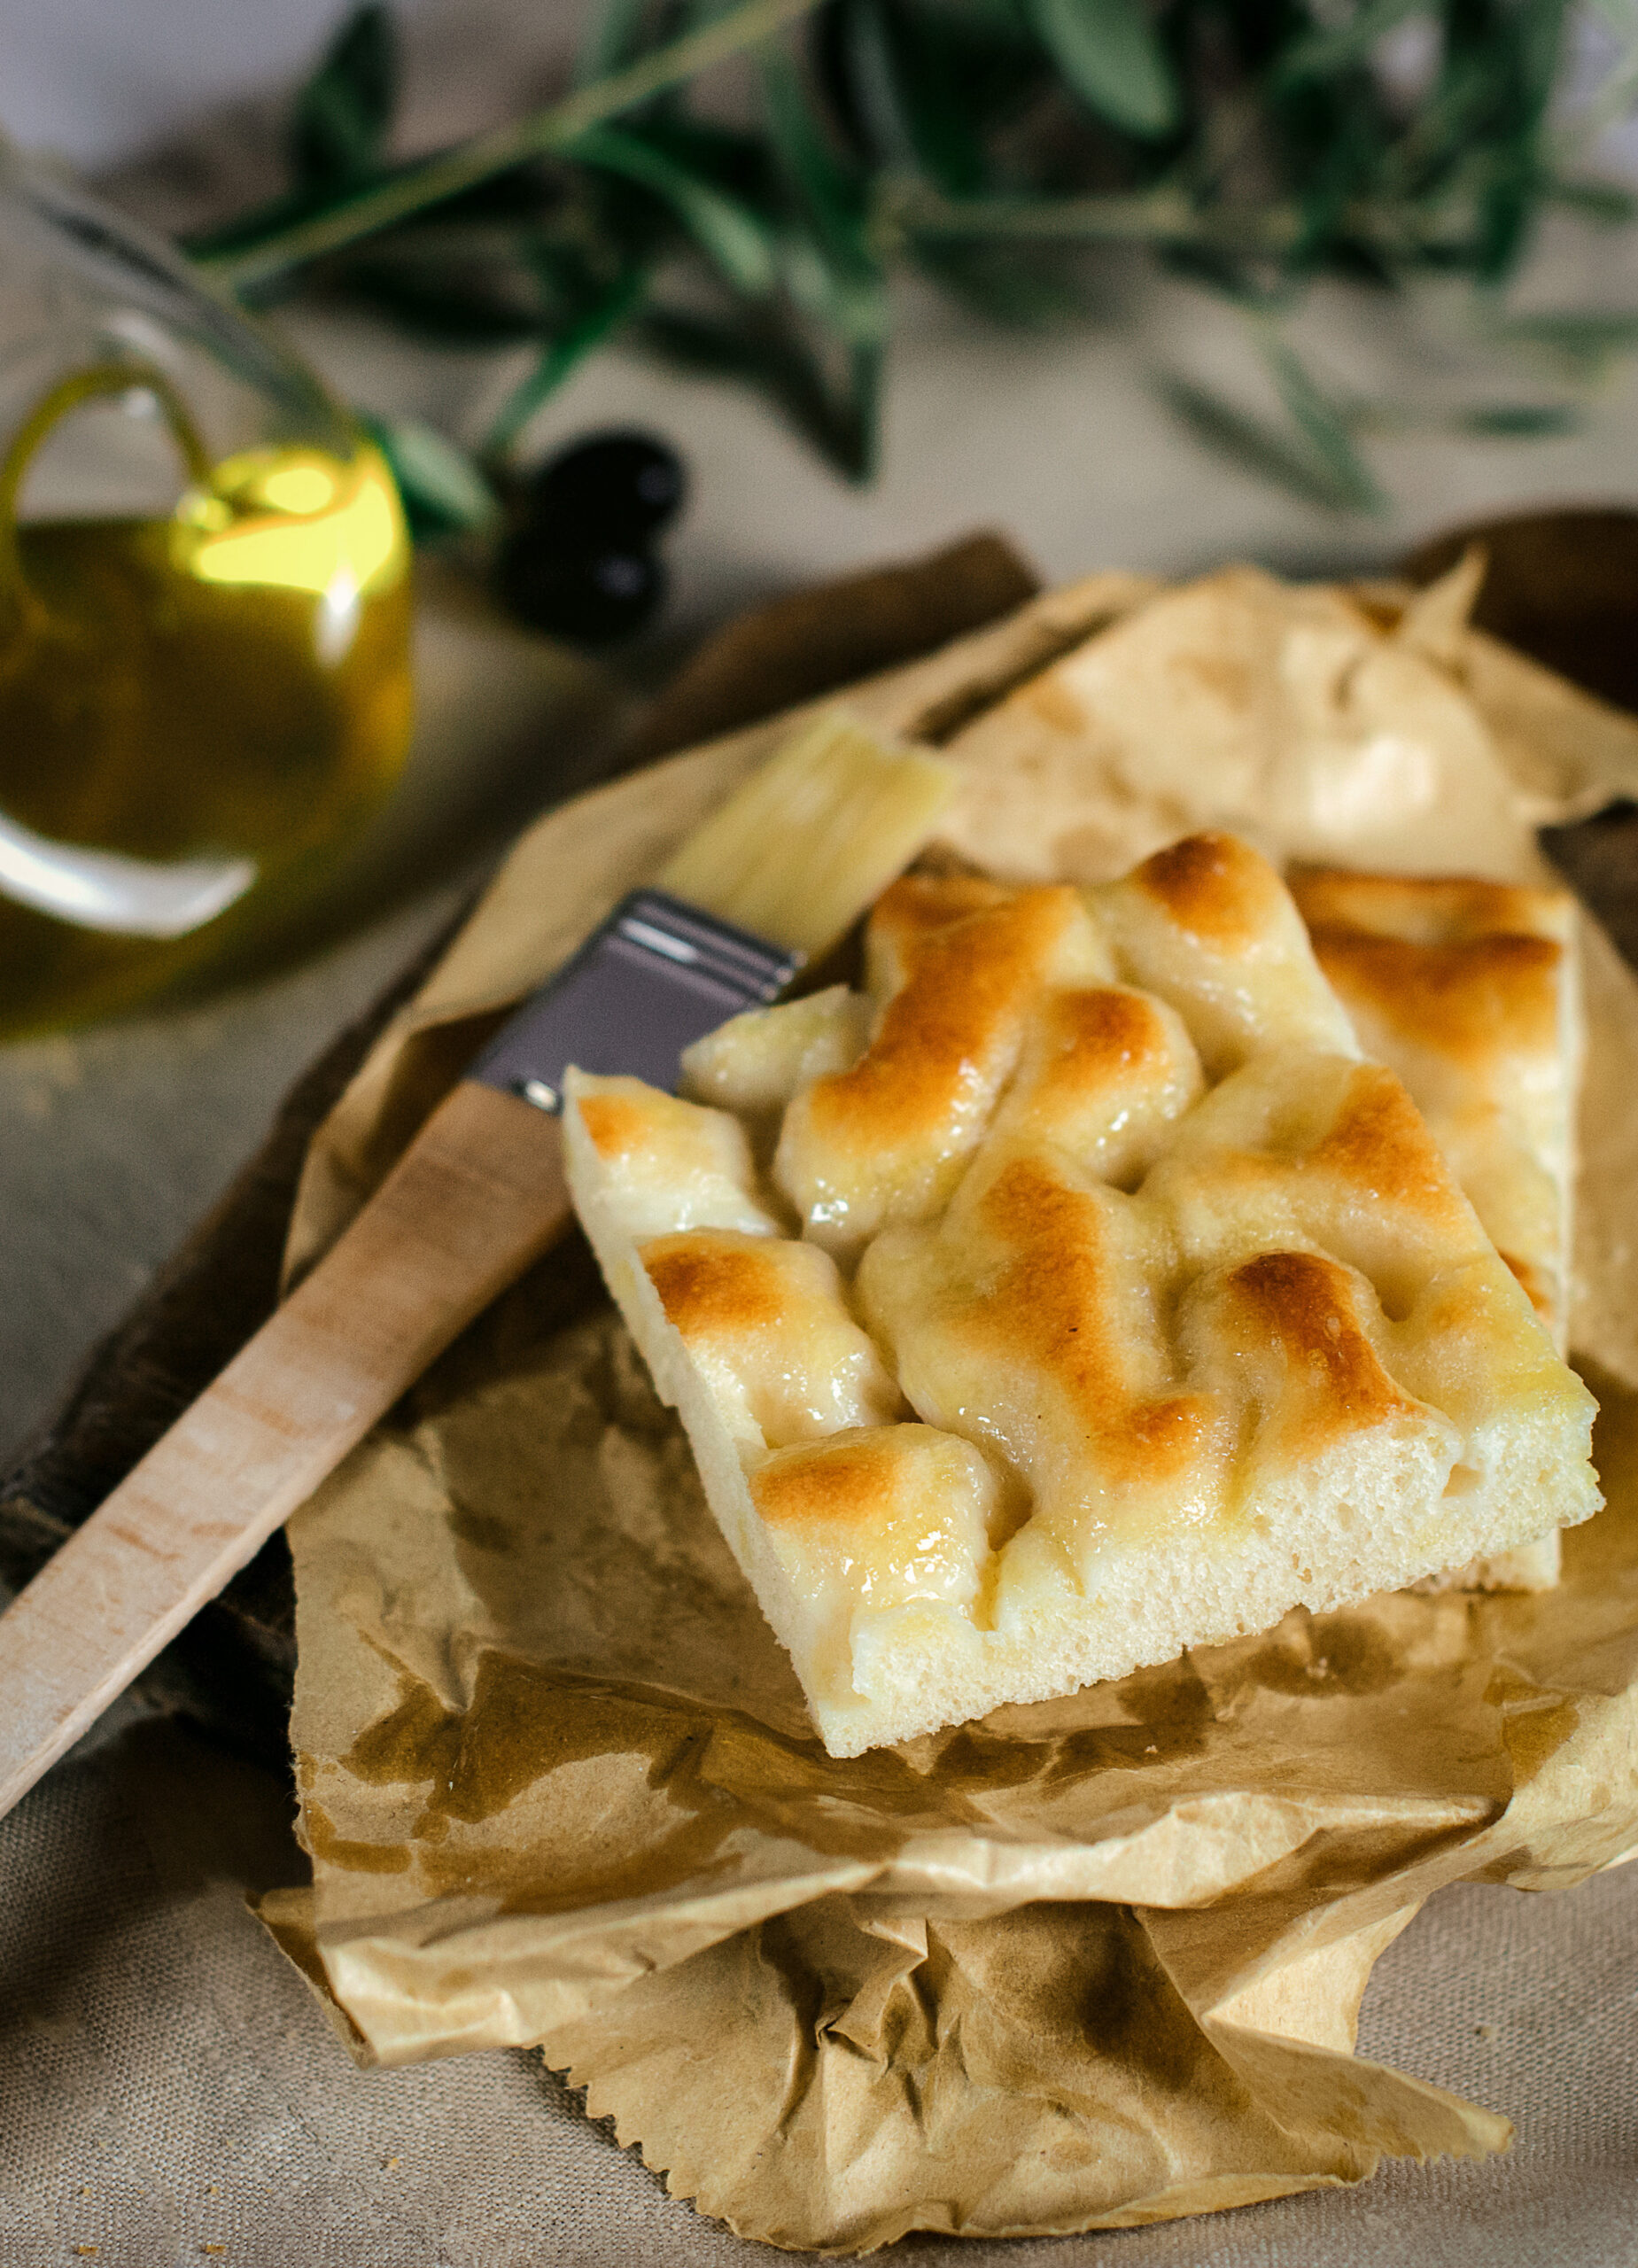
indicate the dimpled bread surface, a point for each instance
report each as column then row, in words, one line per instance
column 1077, row 1294
column 1469, row 991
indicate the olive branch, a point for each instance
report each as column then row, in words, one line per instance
column 1004, row 148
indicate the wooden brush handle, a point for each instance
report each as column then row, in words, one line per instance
column 480, row 1194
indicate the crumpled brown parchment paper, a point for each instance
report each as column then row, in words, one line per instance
column 1087, row 1964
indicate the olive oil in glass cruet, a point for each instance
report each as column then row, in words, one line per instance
column 205, row 606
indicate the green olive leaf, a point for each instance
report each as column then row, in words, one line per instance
column 829, row 188
column 839, row 422
column 829, row 265
column 1606, row 202
column 339, row 125
column 1011, row 150
column 1521, row 421
column 610, row 310
column 1254, row 443
column 611, row 38
column 1021, row 287
column 921, row 89
column 443, row 491
column 426, row 300
column 461, row 282
column 1324, row 425
column 1583, row 340
column 729, row 233
column 1110, row 54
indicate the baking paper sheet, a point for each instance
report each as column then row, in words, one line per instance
column 1089, row 1963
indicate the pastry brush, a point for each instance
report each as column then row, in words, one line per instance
column 770, row 880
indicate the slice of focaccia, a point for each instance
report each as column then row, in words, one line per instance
column 1079, row 1294
column 1469, row 991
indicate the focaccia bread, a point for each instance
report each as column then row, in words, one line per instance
column 1079, row 1294
column 1469, row 991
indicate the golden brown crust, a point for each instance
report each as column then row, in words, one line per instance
column 1216, row 889
column 1332, row 1380
column 619, row 1125
column 1056, row 1309
column 903, row 1511
column 712, row 1284
column 1105, row 1073
column 1095, row 1041
column 1378, row 1148
column 1472, row 997
column 652, row 1146
column 877, row 1520
column 1538, row 1286
column 766, row 1318
column 888, row 1139
column 1426, row 909
column 1467, row 988
column 1208, row 926
column 960, row 1008
column 1319, row 1140
column 920, row 903
column 838, row 1485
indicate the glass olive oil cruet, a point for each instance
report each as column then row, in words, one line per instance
column 204, row 618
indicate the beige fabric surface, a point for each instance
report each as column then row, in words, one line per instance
column 171, row 2087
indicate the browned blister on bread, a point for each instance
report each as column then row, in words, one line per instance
column 1077, row 1294
column 887, row 1139
column 1469, row 990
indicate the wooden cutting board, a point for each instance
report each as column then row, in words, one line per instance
column 1563, row 586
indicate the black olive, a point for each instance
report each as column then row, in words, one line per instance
column 616, row 488
column 590, row 597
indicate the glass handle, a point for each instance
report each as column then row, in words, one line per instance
column 102, row 380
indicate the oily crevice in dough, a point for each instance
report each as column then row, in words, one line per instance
column 1127, row 1305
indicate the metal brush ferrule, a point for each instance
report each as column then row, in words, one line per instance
column 655, row 976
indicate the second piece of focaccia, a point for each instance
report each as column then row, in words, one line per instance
column 1469, row 991
column 1077, row 1295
